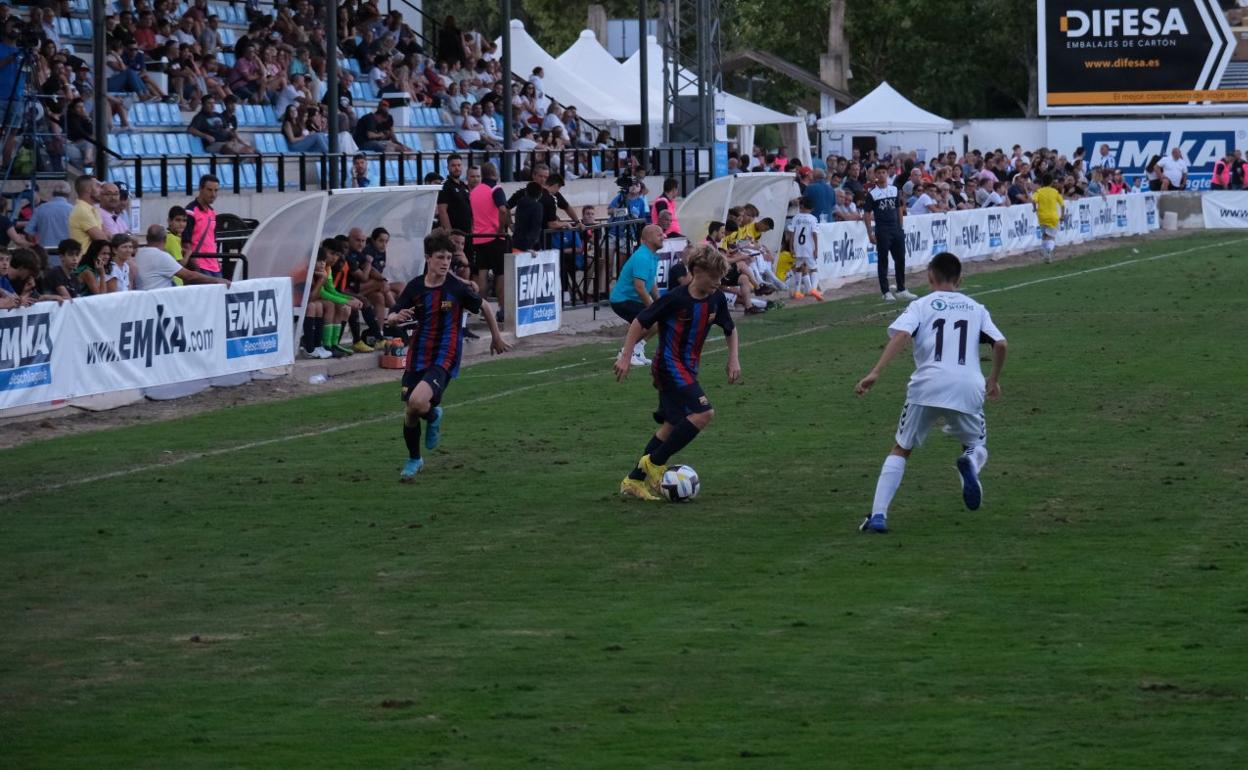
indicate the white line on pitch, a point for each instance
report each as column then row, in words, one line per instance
column 523, row 388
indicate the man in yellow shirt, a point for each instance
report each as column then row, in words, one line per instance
column 84, row 219
column 1049, row 206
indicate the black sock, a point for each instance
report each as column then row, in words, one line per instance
column 655, row 442
column 318, row 328
column 370, row 319
column 354, row 322
column 411, row 435
column 308, row 341
column 681, row 435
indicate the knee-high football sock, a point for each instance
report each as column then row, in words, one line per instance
column 681, row 435
column 979, row 455
column 329, row 336
column 411, row 437
column 654, row 443
column 890, row 478
column 370, row 323
column 354, row 321
column 310, row 337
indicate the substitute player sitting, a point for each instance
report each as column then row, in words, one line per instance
column 684, row 316
column 435, row 301
column 947, row 328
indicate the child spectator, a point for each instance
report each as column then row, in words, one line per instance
column 176, row 225
column 60, row 280
column 119, row 271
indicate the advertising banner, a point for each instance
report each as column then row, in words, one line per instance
column 1131, row 145
column 1106, row 56
column 140, row 339
column 846, row 254
column 669, row 255
column 1225, row 209
column 539, row 301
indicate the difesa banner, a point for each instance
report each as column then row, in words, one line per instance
column 1172, row 56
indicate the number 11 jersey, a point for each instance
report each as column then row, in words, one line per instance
column 947, row 328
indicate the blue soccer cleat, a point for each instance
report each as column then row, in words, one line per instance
column 433, row 431
column 874, row 523
column 410, row 469
column 972, row 492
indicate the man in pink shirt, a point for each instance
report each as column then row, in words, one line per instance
column 199, row 237
column 112, row 211
column 490, row 218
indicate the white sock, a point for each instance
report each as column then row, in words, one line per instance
column 1050, row 246
column 756, row 302
column 803, row 283
column 979, row 455
column 813, row 278
column 640, row 349
column 890, row 478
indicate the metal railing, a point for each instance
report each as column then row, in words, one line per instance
column 288, row 172
column 590, row 257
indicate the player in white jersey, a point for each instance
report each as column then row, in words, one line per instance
column 947, row 328
column 805, row 245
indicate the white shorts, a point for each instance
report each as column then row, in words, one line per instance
column 917, row 419
column 1048, row 232
column 810, row 263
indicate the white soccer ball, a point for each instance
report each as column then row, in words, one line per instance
column 680, row 484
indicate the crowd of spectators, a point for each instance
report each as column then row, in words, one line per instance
column 88, row 247
column 154, row 53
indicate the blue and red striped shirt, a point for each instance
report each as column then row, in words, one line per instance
column 683, row 323
column 439, row 339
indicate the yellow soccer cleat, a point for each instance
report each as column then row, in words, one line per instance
column 638, row 489
column 654, row 473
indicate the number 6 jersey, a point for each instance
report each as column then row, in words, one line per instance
column 947, row 328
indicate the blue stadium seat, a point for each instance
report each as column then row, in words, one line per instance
column 269, row 116
column 121, row 144
column 361, row 111
column 63, row 27
column 226, row 58
column 170, row 115
column 122, row 174
column 79, row 6
column 196, row 145
column 270, row 175
column 409, row 138
column 353, row 65
column 151, row 177
column 595, row 163
column 180, row 144
column 444, row 142
column 228, row 37
column 362, row 90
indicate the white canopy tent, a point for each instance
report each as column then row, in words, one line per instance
column 737, row 111
column 882, row 112
column 565, row 85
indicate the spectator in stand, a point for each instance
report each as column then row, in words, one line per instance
column 18, row 280
column 1173, row 170
column 1018, row 191
column 59, row 278
column 298, row 138
column 450, row 42
column 210, row 126
column 1104, row 159
column 112, row 212
column 85, row 225
column 359, row 171
column 50, row 224
column 246, row 78
column 490, row 222
column 119, row 270
column 469, row 129
column 375, row 131
column 846, row 210
column 155, row 268
column 9, row 236
column 200, row 238
column 80, row 134
column 92, row 271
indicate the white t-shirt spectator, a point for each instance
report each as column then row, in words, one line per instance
column 1103, row 161
column 524, row 143
column 470, row 129
column 122, row 274
column 154, row 269
column 1173, row 169
column 922, row 204
column 994, row 199
column 551, row 122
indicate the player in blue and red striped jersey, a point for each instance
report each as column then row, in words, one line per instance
column 435, row 301
column 684, row 315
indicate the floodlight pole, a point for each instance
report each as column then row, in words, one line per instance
column 331, row 83
column 645, row 72
column 504, row 170
column 103, row 120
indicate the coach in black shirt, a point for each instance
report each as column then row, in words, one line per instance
column 454, row 205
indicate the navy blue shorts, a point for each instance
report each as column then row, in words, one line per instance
column 677, row 404
column 437, row 377
column 627, row 310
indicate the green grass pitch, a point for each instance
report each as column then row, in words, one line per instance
column 292, row 605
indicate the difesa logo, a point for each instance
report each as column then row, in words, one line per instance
column 1123, row 22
